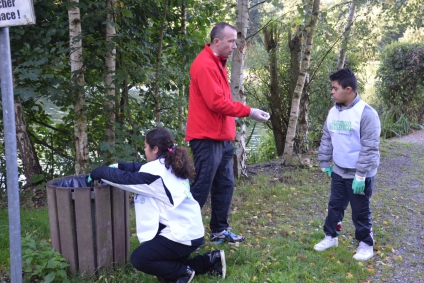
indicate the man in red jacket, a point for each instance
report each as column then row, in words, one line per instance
column 211, row 129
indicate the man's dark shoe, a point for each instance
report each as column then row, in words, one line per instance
column 184, row 278
column 225, row 236
column 218, row 265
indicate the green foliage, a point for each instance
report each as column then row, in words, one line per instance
column 391, row 128
column 42, row 76
column 41, row 261
column 264, row 151
column 401, row 74
column 40, row 179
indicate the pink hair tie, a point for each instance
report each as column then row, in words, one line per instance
column 172, row 149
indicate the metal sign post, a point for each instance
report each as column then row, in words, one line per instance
column 11, row 157
column 12, row 13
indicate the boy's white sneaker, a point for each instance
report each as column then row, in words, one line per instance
column 364, row 252
column 328, row 242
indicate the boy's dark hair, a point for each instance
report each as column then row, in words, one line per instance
column 345, row 77
column 175, row 156
column 217, row 30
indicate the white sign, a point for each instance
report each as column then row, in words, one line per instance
column 16, row 13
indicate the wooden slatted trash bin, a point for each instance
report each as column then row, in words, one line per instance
column 89, row 226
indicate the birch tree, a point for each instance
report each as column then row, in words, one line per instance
column 158, row 59
column 346, row 34
column 77, row 75
column 182, row 88
column 237, row 87
column 312, row 12
column 110, row 64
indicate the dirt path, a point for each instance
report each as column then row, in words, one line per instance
column 415, row 137
column 398, row 211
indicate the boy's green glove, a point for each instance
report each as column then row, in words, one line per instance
column 113, row 165
column 328, row 171
column 358, row 185
column 89, row 180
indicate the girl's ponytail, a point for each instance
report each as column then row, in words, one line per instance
column 176, row 157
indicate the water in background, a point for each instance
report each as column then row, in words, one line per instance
column 255, row 140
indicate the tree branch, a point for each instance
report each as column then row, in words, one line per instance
column 260, row 3
column 58, row 152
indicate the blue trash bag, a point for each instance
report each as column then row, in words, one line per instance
column 79, row 181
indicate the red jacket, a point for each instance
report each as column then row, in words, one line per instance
column 211, row 109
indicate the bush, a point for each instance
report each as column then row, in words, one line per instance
column 391, row 128
column 41, row 262
column 400, row 86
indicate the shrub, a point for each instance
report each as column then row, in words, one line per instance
column 41, row 262
column 400, row 86
column 391, row 128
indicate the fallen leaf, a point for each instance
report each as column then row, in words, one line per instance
column 397, row 257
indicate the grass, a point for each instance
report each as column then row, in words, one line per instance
column 281, row 214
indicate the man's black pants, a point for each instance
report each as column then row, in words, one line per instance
column 214, row 174
column 341, row 195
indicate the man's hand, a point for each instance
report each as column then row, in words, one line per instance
column 358, row 185
column 258, row 115
column 328, row 171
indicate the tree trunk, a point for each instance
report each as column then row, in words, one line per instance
column 77, row 73
column 295, row 46
column 110, row 64
column 158, row 58
column 294, row 112
column 276, row 106
column 349, row 23
column 237, row 87
column 182, row 89
column 301, row 142
column 27, row 153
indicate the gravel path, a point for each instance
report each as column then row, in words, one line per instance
column 414, row 137
column 398, row 211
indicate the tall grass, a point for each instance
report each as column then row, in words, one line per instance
column 390, row 127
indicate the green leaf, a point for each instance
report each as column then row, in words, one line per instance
column 127, row 13
column 37, row 178
column 50, row 277
column 52, row 264
column 62, row 273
